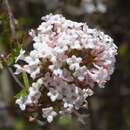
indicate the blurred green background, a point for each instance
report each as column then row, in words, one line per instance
column 109, row 108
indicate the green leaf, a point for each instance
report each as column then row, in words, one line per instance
column 65, row 121
column 20, row 124
column 25, row 80
column 23, row 92
column 10, row 59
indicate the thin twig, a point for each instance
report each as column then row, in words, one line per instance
column 11, row 19
column 15, row 78
column 91, row 116
column 13, row 33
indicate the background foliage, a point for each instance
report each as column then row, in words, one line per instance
column 110, row 107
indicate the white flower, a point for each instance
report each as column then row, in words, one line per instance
column 87, row 92
column 74, row 62
column 32, row 97
column 34, row 73
column 48, row 113
column 21, row 55
column 23, row 101
column 53, row 94
column 81, row 73
column 67, row 105
column 20, row 69
column 58, row 72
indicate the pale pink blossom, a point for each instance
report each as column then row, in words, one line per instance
column 67, row 61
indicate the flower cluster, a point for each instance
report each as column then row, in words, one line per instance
column 67, row 61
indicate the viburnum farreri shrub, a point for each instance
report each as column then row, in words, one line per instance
column 67, row 61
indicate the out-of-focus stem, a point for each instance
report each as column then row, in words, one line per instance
column 13, row 34
column 15, row 78
column 11, row 19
